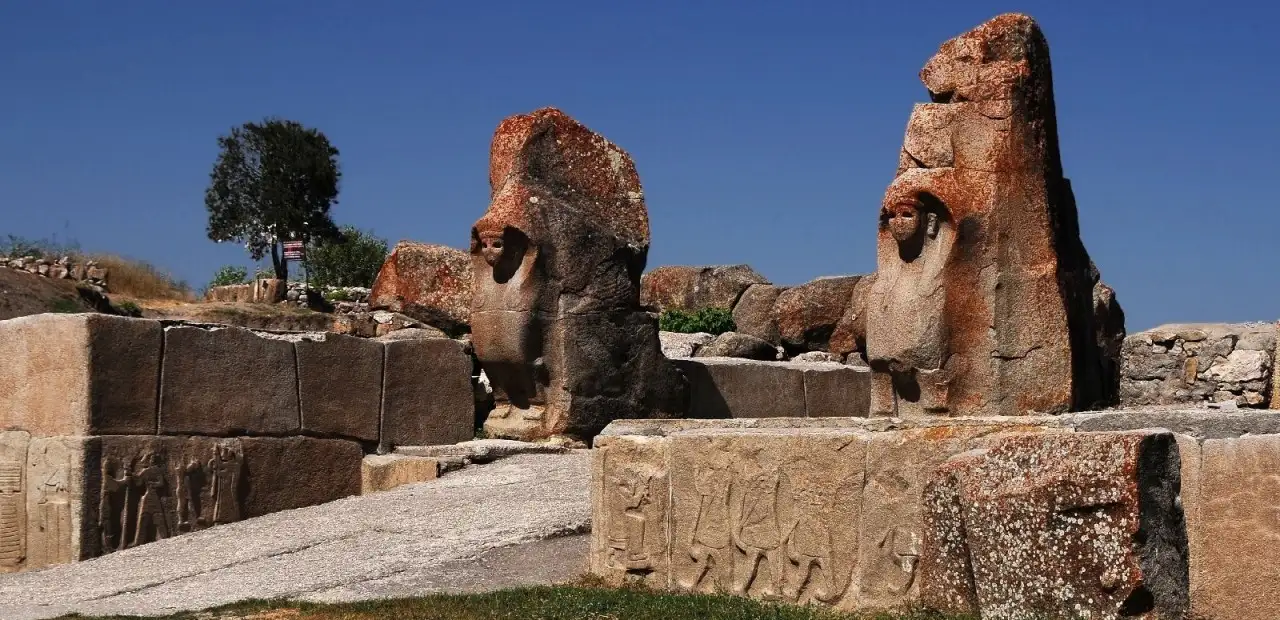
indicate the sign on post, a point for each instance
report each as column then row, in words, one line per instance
column 294, row 250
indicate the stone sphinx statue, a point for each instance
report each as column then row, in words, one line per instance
column 984, row 296
column 556, row 318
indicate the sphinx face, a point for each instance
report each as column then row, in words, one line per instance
column 903, row 221
column 491, row 247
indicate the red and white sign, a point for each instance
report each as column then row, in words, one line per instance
column 294, row 250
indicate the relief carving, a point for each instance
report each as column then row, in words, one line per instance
column 170, row 488
column 757, row 534
column 633, row 489
column 709, row 546
column 12, row 512
column 49, row 509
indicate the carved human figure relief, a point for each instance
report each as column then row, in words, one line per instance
column 113, row 503
column 757, row 533
column 152, row 522
column 225, row 470
column 53, row 510
column 808, row 545
column 632, row 488
column 901, row 547
column 12, row 512
column 709, row 548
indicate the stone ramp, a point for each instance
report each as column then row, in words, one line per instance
column 409, row 541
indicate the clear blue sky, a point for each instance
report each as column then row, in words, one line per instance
column 765, row 133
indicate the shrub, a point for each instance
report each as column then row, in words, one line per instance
column 66, row 306
column 129, row 308
column 337, row 294
column 15, row 246
column 228, row 275
column 353, row 260
column 714, row 321
column 140, row 279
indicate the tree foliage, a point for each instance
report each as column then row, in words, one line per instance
column 272, row 182
column 352, row 260
column 714, row 321
column 228, row 275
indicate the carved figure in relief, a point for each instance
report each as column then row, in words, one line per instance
column 808, row 546
column 628, row 545
column 189, row 476
column 902, row 547
column 225, row 469
column 113, row 502
column 757, row 533
column 53, row 511
column 152, row 524
column 12, row 508
column 709, row 548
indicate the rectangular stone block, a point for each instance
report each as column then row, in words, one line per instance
column 227, row 381
column 13, row 499
column 282, row 473
column 79, row 374
column 630, row 539
column 836, row 391
column 340, row 386
column 1058, row 525
column 1237, row 571
column 767, row 514
column 738, row 388
column 383, row 472
column 55, row 495
column 426, row 393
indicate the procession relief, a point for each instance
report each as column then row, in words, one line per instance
column 13, row 503
column 776, row 523
column 168, row 489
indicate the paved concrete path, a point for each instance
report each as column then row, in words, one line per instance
column 430, row 537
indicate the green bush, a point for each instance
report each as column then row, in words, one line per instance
column 228, row 275
column 66, row 306
column 714, row 321
column 353, row 260
column 129, row 308
column 338, row 294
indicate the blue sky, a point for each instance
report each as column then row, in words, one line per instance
column 764, row 133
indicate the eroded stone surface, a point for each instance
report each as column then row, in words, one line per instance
column 67, row 374
column 427, row 396
column 1058, row 525
column 383, row 472
column 807, row 314
column 340, row 386
column 228, row 381
column 13, row 500
column 683, row 345
column 753, row 314
column 431, row 283
column 1199, row 363
column 734, row 344
column 556, row 317
column 984, row 297
column 723, row 387
column 678, row 287
column 629, row 505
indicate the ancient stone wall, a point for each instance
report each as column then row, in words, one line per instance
column 119, row 431
column 1225, row 364
column 834, row 511
column 88, row 272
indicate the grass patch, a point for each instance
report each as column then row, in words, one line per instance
column 140, row 279
column 66, row 306
column 578, row 602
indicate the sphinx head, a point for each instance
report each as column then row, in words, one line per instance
column 902, row 220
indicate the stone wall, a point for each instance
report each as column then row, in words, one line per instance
column 723, row 387
column 63, row 268
column 832, row 511
column 1230, row 364
column 119, row 431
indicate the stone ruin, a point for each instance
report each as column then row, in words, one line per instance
column 984, row 297
column 965, row 483
column 556, row 318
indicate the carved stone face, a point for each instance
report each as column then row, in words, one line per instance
column 491, row 246
column 903, row 221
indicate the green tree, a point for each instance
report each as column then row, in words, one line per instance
column 228, row 275
column 351, row 260
column 273, row 182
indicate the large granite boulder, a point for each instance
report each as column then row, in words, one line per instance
column 556, row 318
column 733, row 344
column 691, row 288
column 984, row 298
column 753, row 314
column 431, row 283
column 807, row 314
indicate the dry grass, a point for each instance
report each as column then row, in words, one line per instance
column 140, row 280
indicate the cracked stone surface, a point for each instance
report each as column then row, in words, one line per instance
column 410, row 541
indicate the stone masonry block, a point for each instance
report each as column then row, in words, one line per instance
column 340, row 386
column 79, row 374
column 630, row 539
column 227, row 381
column 426, row 393
column 738, row 388
column 383, row 472
column 282, row 473
column 833, row 390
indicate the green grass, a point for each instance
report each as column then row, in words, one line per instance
column 580, row 602
column 66, row 306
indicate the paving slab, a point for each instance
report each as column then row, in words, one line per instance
column 405, row 542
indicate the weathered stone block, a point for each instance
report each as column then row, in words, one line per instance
column 833, row 390
column 227, row 381
column 79, row 374
column 679, row 287
column 56, row 494
column 807, row 314
column 769, row 515
column 426, row 393
column 753, row 314
column 431, row 283
column 282, row 473
column 739, row 388
column 1237, row 574
column 1058, row 525
column 340, row 386
column 383, row 472
column 630, row 539
column 13, row 499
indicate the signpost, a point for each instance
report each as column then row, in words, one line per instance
column 294, row 250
